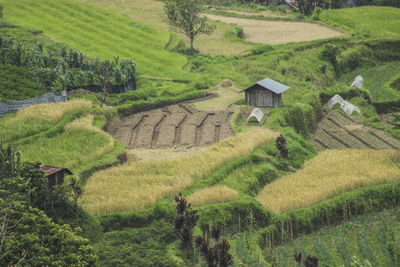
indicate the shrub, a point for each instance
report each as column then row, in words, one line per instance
column 301, row 117
column 316, row 13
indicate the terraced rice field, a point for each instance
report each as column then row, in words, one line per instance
column 337, row 130
column 175, row 125
column 99, row 33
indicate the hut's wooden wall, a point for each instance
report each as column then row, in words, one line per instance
column 56, row 178
column 260, row 97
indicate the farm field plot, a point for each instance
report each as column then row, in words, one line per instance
column 98, row 32
column 173, row 125
column 338, row 130
column 329, row 174
column 278, row 32
column 139, row 184
column 377, row 80
column 372, row 231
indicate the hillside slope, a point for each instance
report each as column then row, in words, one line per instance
column 98, row 32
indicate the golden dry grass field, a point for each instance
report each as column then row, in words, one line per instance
column 212, row 195
column 52, row 111
column 138, row 185
column 329, row 174
column 79, row 144
column 34, row 119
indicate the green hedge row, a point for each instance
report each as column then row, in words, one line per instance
column 235, row 216
column 144, row 105
column 289, row 225
column 163, row 209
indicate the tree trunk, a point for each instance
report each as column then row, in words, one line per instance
column 191, row 44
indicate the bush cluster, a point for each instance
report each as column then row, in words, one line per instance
column 62, row 69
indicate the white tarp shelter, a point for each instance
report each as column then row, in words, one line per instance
column 358, row 82
column 257, row 113
column 344, row 105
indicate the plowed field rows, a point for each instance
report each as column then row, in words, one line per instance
column 337, row 130
column 173, row 126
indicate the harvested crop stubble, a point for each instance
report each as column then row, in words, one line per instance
column 138, row 185
column 329, row 174
column 212, row 195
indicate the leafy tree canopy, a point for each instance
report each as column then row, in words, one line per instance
column 184, row 16
column 27, row 235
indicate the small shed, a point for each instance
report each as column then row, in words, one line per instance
column 55, row 175
column 266, row 93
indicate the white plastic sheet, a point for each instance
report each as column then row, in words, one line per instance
column 257, row 113
column 358, row 82
column 344, row 105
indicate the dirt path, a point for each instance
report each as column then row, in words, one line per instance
column 278, row 32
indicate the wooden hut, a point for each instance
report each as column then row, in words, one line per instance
column 266, row 93
column 55, row 175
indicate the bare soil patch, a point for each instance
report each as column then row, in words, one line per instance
column 278, row 32
column 173, row 126
column 337, row 130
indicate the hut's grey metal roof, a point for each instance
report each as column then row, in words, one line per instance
column 271, row 85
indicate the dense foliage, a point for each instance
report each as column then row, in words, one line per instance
column 66, row 68
column 142, row 246
column 28, row 236
column 184, row 15
column 17, row 83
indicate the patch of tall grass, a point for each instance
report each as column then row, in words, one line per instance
column 138, row 185
column 329, row 174
column 212, row 195
column 37, row 118
column 79, row 144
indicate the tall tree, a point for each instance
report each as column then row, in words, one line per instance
column 184, row 16
column 106, row 73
